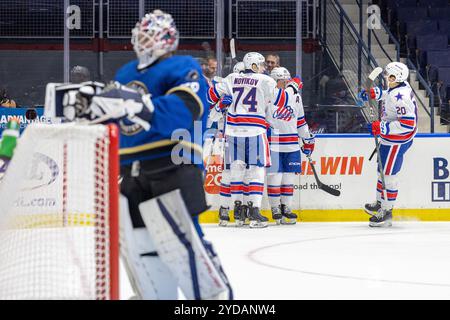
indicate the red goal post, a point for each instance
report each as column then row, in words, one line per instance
column 59, row 228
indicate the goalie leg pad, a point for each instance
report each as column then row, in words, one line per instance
column 150, row 278
column 181, row 249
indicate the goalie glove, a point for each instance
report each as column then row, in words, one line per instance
column 114, row 102
column 76, row 99
column 308, row 145
column 118, row 102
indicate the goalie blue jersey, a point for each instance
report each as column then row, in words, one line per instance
column 178, row 91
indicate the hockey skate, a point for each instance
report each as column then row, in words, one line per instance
column 383, row 218
column 372, row 208
column 223, row 217
column 288, row 217
column 245, row 216
column 256, row 219
column 276, row 214
column 239, row 213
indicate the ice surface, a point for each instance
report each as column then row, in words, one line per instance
column 341, row 260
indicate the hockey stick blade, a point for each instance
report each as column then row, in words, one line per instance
column 329, row 189
column 321, row 185
column 232, row 49
column 375, row 73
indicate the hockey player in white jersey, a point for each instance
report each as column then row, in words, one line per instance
column 284, row 132
column 247, row 150
column 219, row 114
column 397, row 129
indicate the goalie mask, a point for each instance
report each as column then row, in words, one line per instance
column 154, row 36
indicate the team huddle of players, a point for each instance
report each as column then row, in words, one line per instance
column 264, row 126
column 262, row 118
column 261, row 115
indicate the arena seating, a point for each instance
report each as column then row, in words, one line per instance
column 423, row 29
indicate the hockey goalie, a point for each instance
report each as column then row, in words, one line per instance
column 155, row 100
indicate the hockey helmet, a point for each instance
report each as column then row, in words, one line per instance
column 397, row 69
column 254, row 61
column 280, row 73
column 238, row 67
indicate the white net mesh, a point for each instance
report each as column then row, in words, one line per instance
column 54, row 223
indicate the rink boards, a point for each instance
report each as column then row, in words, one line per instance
column 342, row 161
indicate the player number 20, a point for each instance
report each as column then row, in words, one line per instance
column 401, row 110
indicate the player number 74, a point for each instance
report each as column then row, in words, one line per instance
column 249, row 99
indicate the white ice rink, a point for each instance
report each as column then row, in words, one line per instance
column 411, row 260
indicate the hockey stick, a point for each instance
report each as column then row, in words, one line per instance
column 372, row 154
column 233, row 50
column 321, row 185
column 233, row 54
column 372, row 76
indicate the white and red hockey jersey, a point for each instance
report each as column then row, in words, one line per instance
column 399, row 115
column 287, row 125
column 254, row 96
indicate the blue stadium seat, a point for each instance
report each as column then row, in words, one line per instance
column 444, row 27
column 433, row 3
column 439, row 58
column 401, row 3
column 432, row 42
column 411, row 14
column 421, row 27
column 440, row 13
column 444, row 75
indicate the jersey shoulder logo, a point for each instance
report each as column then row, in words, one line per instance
column 283, row 113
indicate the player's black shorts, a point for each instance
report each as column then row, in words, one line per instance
column 157, row 177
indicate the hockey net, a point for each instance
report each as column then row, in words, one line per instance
column 58, row 214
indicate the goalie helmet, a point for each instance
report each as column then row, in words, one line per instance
column 397, row 69
column 154, row 36
column 239, row 67
column 254, row 61
column 280, row 73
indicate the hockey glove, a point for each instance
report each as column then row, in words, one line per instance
column 295, row 83
column 308, row 145
column 224, row 103
column 77, row 98
column 117, row 102
column 374, row 128
column 375, row 94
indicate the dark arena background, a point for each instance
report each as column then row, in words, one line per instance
column 319, row 40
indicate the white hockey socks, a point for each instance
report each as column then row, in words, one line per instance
column 254, row 185
column 287, row 188
column 273, row 188
column 237, row 172
column 225, row 190
column 391, row 182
